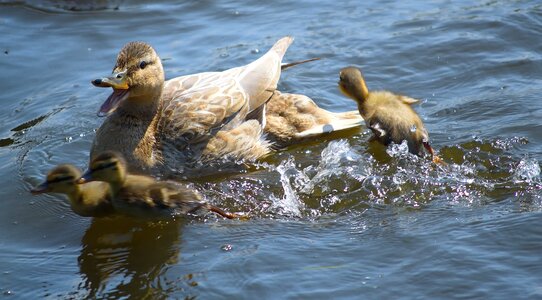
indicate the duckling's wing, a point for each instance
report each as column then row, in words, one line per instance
column 172, row 195
column 407, row 100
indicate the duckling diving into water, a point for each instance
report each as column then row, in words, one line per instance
column 389, row 116
column 92, row 199
column 196, row 124
column 144, row 196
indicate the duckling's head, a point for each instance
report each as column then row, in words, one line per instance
column 108, row 166
column 61, row 179
column 352, row 84
column 137, row 78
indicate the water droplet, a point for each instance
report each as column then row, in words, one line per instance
column 413, row 128
column 81, row 135
column 226, row 247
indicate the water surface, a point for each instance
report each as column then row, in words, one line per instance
column 337, row 218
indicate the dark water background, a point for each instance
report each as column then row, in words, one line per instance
column 331, row 220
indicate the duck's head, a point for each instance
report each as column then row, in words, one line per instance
column 108, row 166
column 61, row 179
column 137, row 78
column 352, row 84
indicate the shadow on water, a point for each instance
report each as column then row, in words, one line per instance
column 125, row 258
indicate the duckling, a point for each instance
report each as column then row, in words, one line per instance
column 292, row 118
column 144, row 196
column 88, row 200
column 389, row 116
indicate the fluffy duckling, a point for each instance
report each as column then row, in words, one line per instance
column 88, row 200
column 143, row 196
column 389, row 116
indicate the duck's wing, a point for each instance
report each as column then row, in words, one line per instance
column 295, row 117
column 196, row 107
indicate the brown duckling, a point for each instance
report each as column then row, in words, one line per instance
column 389, row 116
column 144, row 196
column 92, row 199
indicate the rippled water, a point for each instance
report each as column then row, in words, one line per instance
column 336, row 218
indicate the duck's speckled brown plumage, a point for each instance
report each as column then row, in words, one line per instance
column 389, row 116
column 143, row 196
column 88, row 200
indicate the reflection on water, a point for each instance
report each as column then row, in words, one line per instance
column 126, row 258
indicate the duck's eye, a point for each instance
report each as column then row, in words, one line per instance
column 143, row 64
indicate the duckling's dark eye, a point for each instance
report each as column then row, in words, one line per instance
column 143, row 64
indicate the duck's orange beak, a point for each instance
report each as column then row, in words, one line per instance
column 118, row 81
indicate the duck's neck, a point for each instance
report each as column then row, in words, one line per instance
column 361, row 94
column 140, row 108
column 131, row 131
column 117, row 182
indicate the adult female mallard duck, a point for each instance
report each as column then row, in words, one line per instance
column 188, row 125
column 88, row 200
column 144, row 196
column 389, row 116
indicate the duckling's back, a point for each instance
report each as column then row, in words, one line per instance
column 144, row 197
column 392, row 120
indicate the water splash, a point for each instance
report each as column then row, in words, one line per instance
column 290, row 203
column 528, row 170
column 398, row 150
column 337, row 159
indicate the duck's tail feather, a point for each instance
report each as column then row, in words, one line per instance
column 285, row 66
column 342, row 121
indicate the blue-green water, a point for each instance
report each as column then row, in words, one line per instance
column 332, row 218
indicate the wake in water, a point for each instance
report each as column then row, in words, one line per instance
column 345, row 178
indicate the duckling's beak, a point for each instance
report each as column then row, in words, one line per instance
column 85, row 177
column 40, row 189
column 118, row 81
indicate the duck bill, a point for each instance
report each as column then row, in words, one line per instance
column 113, row 102
column 87, row 177
column 40, row 189
column 119, row 83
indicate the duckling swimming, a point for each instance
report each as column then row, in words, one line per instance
column 144, row 196
column 389, row 116
column 92, row 199
column 193, row 124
